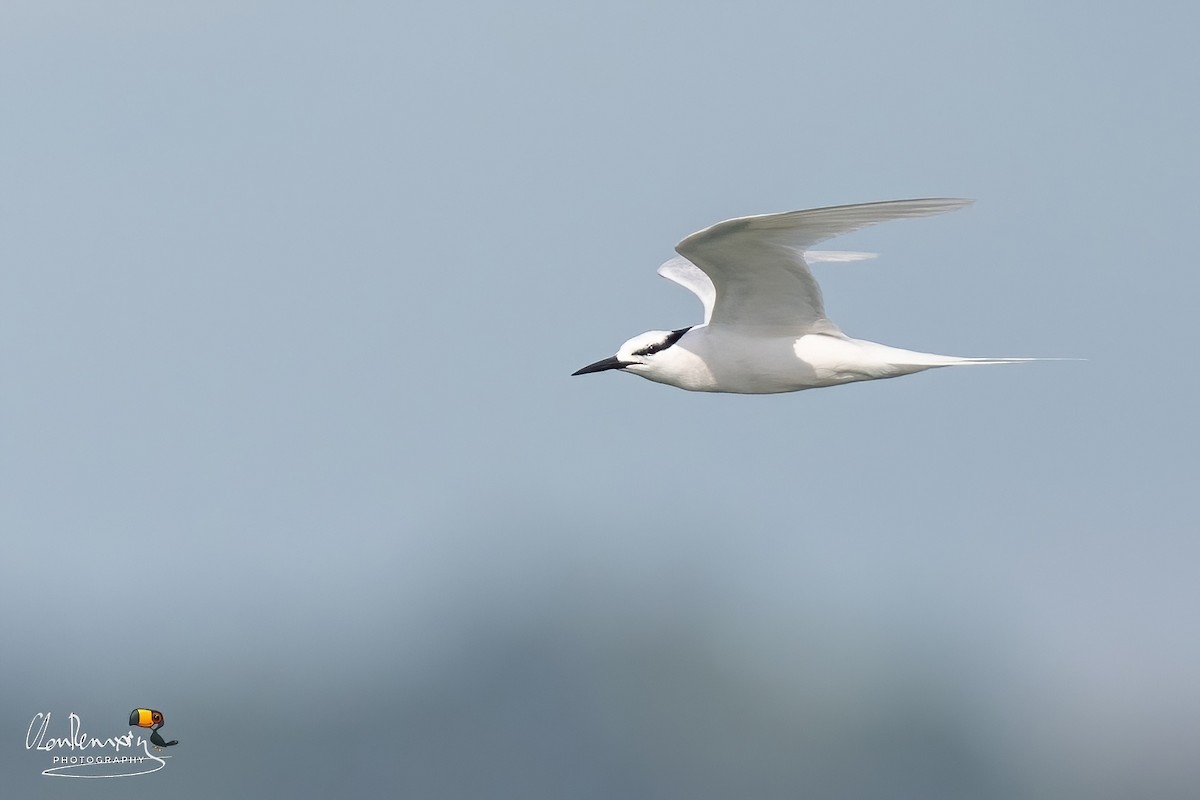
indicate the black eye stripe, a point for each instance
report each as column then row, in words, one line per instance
column 672, row 338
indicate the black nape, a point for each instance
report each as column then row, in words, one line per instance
column 657, row 347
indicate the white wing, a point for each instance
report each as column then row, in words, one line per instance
column 692, row 278
column 689, row 276
column 752, row 270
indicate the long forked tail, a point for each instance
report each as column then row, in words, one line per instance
column 932, row 361
column 919, row 361
column 912, row 362
column 958, row 361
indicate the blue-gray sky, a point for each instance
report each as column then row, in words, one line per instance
column 288, row 447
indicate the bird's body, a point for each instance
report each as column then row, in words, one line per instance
column 713, row 359
column 765, row 329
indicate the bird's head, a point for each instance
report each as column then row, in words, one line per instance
column 645, row 354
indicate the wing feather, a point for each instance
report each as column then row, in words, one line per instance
column 692, row 278
column 756, row 264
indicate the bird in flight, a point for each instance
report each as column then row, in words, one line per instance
column 765, row 329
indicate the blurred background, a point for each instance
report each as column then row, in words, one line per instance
column 288, row 448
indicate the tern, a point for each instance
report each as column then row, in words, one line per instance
column 765, row 329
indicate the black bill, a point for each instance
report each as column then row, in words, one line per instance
column 612, row 362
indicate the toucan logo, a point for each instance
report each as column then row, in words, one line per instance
column 149, row 718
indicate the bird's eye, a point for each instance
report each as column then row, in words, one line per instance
column 672, row 338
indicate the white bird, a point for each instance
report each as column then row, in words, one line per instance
column 765, row 328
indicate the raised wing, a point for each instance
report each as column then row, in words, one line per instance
column 692, row 278
column 756, row 269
